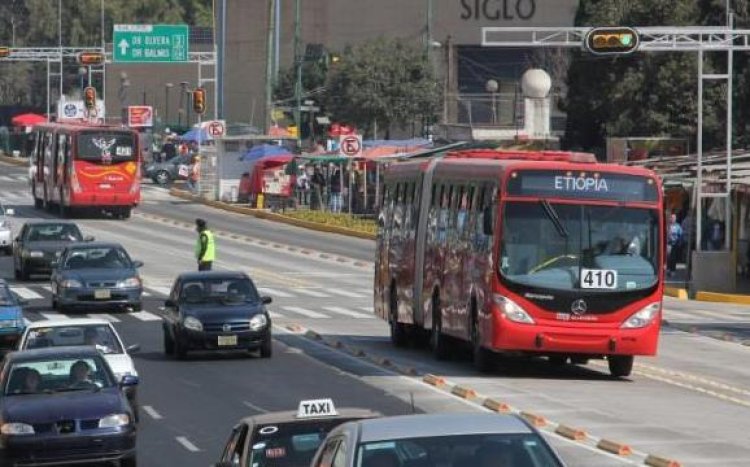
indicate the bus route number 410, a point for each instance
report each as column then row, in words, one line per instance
column 598, row 279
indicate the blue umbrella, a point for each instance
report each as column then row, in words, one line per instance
column 262, row 151
column 195, row 134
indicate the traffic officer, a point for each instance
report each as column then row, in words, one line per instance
column 205, row 250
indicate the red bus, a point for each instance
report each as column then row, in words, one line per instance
column 85, row 166
column 522, row 253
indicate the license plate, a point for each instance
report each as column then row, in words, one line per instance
column 227, row 340
column 105, row 185
column 102, row 294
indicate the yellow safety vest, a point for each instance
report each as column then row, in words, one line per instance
column 210, row 253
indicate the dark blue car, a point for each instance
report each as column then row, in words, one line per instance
column 12, row 324
column 62, row 405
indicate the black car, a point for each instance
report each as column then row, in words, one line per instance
column 215, row 310
column 286, row 439
column 63, row 405
column 39, row 244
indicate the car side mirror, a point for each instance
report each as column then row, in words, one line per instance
column 10, row 212
column 487, row 221
column 266, row 300
column 129, row 380
column 133, row 348
column 88, row 238
column 137, row 264
column 169, row 304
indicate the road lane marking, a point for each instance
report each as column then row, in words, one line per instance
column 255, row 407
column 345, row 312
column 312, row 293
column 161, row 290
column 305, row 312
column 345, row 293
column 26, row 293
column 274, row 292
column 187, row 444
column 55, row 316
column 275, row 315
column 48, row 288
column 368, row 309
column 151, row 412
column 104, row 316
column 144, row 316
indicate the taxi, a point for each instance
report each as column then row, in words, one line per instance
column 289, row 438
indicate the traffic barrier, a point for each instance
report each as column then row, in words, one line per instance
column 614, row 447
column 676, row 292
column 463, row 392
column 496, row 406
column 722, row 298
column 656, row 461
column 433, row 380
column 536, row 420
column 571, row 433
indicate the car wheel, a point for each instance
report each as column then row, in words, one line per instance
column 620, row 366
column 168, row 343
column 179, row 349
column 128, row 462
column 266, row 349
column 162, row 177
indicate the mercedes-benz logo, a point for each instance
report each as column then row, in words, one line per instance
column 579, row 307
column 227, row 327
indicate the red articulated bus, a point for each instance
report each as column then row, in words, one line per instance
column 523, row 253
column 85, row 166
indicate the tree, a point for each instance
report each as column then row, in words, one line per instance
column 381, row 83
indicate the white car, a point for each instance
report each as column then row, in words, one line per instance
column 85, row 331
column 6, row 234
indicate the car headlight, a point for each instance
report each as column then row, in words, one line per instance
column 258, row 322
column 642, row 317
column 192, row 323
column 5, row 225
column 129, row 283
column 114, row 420
column 16, row 429
column 70, row 284
column 32, row 254
column 511, row 310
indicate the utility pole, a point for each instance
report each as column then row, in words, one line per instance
column 428, row 30
column 269, row 65
column 298, row 65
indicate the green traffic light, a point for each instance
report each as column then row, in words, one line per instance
column 626, row 39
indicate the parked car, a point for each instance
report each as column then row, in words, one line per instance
column 96, row 275
column 11, row 317
column 39, row 244
column 163, row 173
column 63, row 405
column 216, row 310
column 85, row 331
column 6, row 229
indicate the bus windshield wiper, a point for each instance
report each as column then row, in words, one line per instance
column 552, row 214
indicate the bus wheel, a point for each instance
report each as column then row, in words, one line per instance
column 481, row 356
column 438, row 342
column 399, row 334
column 620, row 366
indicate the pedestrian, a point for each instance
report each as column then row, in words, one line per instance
column 205, row 248
column 318, row 182
column 335, row 191
column 168, row 149
column 194, row 176
column 674, row 243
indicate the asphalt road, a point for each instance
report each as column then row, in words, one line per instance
column 690, row 403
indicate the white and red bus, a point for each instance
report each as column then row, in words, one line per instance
column 522, row 253
column 85, row 166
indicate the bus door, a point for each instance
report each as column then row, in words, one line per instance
column 382, row 273
column 424, row 206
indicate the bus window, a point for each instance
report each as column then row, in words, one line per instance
column 106, row 146
column 442, row 224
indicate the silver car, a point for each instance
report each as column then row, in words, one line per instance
column 6, row 234
column 472, row 439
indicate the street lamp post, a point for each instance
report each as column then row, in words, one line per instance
column 181, row 109
column 167, row 87
column 492, row 86
column 123, row 95
column 81, row 74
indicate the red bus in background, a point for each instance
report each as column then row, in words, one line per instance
column 85, row 166
column 524, row 253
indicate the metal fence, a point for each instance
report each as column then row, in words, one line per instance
column 502, row 110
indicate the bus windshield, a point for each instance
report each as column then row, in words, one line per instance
column 106, row 146
column 561, row 246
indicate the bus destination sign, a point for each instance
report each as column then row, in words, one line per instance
column 587, row 185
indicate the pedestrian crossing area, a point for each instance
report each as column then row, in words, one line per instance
column 290, row 304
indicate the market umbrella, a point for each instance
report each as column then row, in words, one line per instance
column 196, row 134
column 28, row 119
column 263, row 151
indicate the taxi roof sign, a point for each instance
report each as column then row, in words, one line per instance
column 316, row 408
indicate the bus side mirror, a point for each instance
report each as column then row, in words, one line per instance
column 487, row 221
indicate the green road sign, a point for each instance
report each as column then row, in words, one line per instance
column 150, row 43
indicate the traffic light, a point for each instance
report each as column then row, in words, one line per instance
column 89, row 97
column 611, row 41
column 90, row 58
column 4, row 52
column 199, row 101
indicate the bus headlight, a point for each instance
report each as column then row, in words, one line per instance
column 643, row 317
column 511, row 310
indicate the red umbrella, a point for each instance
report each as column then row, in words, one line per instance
column 28, row 119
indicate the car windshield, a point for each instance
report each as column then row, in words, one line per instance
column 226, row 291
column 6, row 296
column 566, row 246
column 106, row 147
column 53, row 233
column 100, row 335
column 57, row 375
column 505, row 450
column 289, row 445
column 99, row 258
